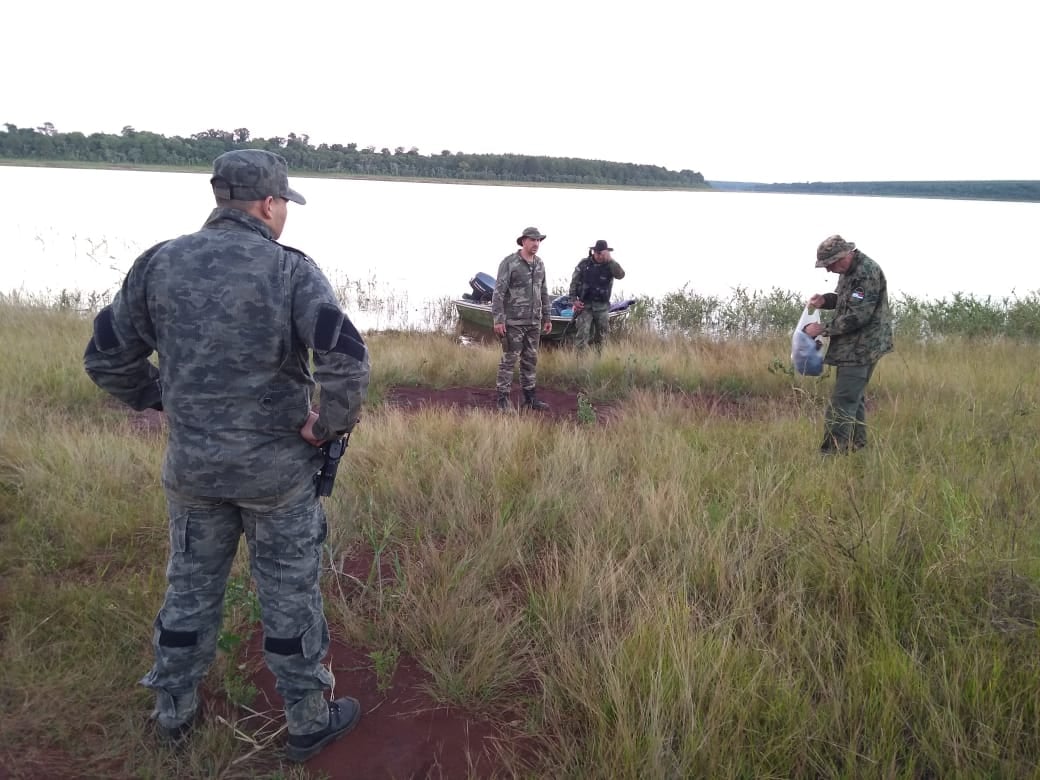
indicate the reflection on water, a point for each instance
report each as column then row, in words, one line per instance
column 468, row 333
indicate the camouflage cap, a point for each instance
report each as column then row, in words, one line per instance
column 831, row 249
column 252, row 174
column 529, row 232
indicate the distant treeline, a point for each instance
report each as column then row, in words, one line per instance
column 966, row 190
column 134, row 147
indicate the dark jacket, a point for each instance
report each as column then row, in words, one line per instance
column 593, row 282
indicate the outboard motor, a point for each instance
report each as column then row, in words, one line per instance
column 483, row 286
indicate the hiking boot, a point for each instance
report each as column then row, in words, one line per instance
column 344, row 715
column 532, row 402
column 503, row 402
column 176, row 736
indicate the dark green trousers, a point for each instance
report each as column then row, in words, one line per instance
column 845, row 424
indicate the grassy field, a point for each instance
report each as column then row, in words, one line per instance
column 676, row 593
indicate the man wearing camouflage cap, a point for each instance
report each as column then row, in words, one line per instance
column 860, row 334
column 236, row 319
column 520, row 307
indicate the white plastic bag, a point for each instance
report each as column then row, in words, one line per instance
column 807, row 353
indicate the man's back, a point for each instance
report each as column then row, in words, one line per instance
column 217, row 306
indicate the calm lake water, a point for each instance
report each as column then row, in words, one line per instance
column 418, row 244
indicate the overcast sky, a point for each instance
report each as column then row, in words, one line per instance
column 735, row 89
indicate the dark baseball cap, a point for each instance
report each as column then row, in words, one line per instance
column 252, row 174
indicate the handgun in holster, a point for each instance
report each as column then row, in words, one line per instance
column 333, row 451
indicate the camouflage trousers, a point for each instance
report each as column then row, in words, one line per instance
column 285, row 536
column 845, row 422
column 520, row 342
column 592, row 324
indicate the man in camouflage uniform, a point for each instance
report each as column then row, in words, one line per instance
column 520, row 307
column 860, row 334
column 591, row 286
column 235, row 318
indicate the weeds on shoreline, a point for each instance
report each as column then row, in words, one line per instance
column 681, row 593
column 684, row 312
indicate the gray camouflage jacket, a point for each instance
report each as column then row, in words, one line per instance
column 234, row 317
column 861, row 330
column 521, row 294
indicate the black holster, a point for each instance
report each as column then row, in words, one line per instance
column 326, row 478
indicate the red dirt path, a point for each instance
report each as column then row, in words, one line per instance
column 403, row 733
column 563, row 405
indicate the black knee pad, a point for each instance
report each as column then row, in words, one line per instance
column 279, row 646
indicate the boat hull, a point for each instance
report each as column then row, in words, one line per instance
column 477, row 317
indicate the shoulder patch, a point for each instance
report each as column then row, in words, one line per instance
column 857, row 294
column 334, row 332
column 350, row 341
column 327, row 327
column 105, row 337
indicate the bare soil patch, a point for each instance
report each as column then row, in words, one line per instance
column 563, row 404
column 403, row 734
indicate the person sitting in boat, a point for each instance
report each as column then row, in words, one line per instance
column 591, row 286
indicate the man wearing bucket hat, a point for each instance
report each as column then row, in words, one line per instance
column 591, row 285
column 860, row 332
column 520, row 307
column 236, row 319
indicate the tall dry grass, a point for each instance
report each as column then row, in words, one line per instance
column 689, row 590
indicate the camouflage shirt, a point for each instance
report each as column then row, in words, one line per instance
column 521, row 294
column 233, row 316
column 861, row 329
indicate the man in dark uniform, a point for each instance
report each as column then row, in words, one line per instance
column 235, row 318
column 860, row 334
column 591, row 285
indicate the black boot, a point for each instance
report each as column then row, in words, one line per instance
column 532, row 402
column 503, row 402
column 176, row 736
column 344, row 715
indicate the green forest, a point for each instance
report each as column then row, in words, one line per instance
column 960, row 190
column 139, row 147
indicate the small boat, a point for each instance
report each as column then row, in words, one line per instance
column 474, row 310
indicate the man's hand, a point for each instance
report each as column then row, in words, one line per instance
column 307, row 431
column 500, row 328
column 547, row 327
column 578, row 307
column 817, row 301
column 813, row 329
